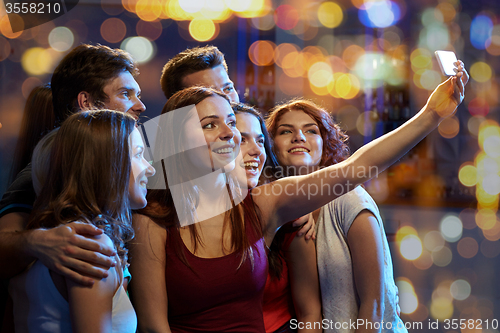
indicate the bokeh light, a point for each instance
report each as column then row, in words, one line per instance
column 460, row 289
column 441, row 308
column 467, row 175
column 330, row 14
column 491, row 184
column 442, row 257
column 4, row 48
column 141, row 49
column 202, row 29
column 264, row 23
column 435, row 36
column 478, row 107
column 480, row 31
column 473, row 125
column 486, row 218
column 379, row 14
column 408, row 299
column 433, row 240
column 61, row 39
column 261, row 53
column 113, row 30
column 449, row 127
column 429, row 79
column 351, row 55
column 29, row 84
column 491, row 146
column 36, row 61
column 447, row 10
column 5, row 27
column 467, row 247
column 372, row 68
column 451, row 228
column 283, row 50
column 286, row 17
column 410, row 247
column 486, row 129
column 480, row 71
column 149, row 30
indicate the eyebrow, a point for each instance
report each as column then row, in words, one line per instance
column 216, row 117
column 306, row 125
column 249, row 135
column 129, row 89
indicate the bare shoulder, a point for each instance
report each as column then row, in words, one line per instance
column 144, row 225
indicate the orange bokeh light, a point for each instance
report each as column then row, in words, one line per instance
column 113, row 30
column 261, row 52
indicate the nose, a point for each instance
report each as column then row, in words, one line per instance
column 254, row 149
column 299, row 137
column 139, row 105
column 226, row 133
column 150, row 170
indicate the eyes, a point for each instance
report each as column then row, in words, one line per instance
column 128, row 94
column 213, row 124
column 260, row 141
column 228, row 89
column 287, row 131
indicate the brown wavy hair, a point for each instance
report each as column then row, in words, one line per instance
column 89, row 176
column 160, row 207
column 335, row 150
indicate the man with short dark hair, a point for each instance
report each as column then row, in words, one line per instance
column 88, row 76
column 204, row 66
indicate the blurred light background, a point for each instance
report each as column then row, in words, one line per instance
column 371, row 64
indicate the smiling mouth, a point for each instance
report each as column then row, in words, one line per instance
column 227, row 150
column 251, row 166
column 297, row 150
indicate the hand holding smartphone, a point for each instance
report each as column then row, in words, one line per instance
column 446, row 61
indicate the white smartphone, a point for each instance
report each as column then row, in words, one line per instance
column 446, row 60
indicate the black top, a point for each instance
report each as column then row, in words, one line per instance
column 20, row 195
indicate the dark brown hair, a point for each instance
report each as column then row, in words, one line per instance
column 38, row 120
column 188, row 62
column 89, row 174
column 87, row 68
column 161, row 209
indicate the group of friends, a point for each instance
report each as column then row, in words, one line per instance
column 218, row 220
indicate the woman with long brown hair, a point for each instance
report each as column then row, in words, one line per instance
column 199, row 262
column 97, row 174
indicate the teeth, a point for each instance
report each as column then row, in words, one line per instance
column 251, row 165
column 143, row 184
column 298, row 149
column 224, row 150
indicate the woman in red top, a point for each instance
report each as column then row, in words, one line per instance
column 200, row 210
column 292, row 287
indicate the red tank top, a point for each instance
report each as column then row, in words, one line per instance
column 216, row 296
column 278, row 303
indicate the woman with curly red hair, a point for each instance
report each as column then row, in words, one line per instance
column 354, row 262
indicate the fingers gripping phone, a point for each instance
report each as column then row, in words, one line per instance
column 446, row 60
